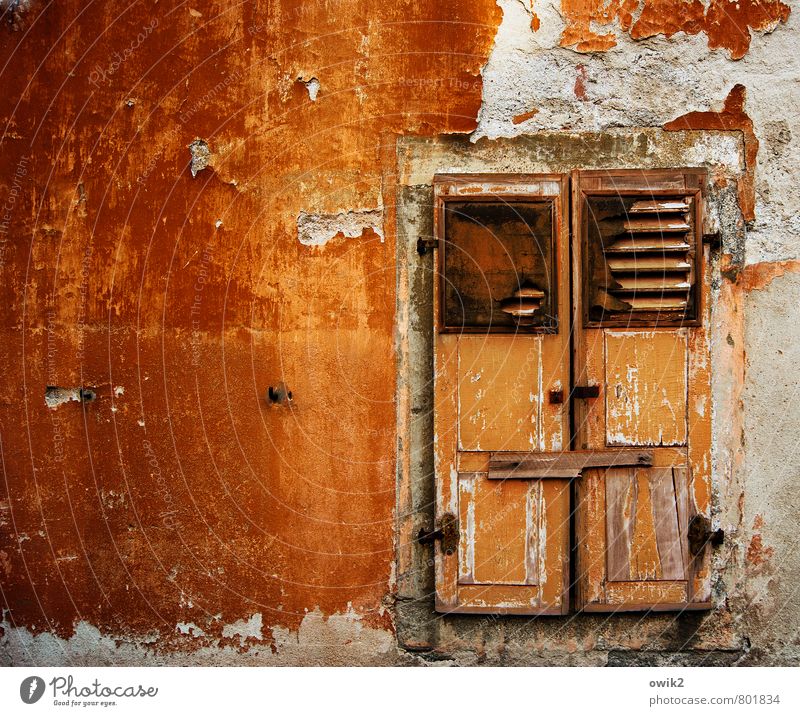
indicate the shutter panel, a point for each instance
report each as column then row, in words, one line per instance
column 640, row 312
column 501, row 347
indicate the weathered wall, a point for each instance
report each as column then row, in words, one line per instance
column 180, row 516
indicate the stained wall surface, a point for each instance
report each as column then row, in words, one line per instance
column 199, row 202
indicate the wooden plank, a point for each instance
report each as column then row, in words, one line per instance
column 619, row 520
column 498, row 381
column 644, row 557
column 535, row 473
column 533, row 518
column 646, row 387
column 645, row 595
column 554, row 417
column 590, row 537
column 699, row 420
column 445, row 426
column 466, row 526
column 665, row 516
column 563, row 464
column 554, row 555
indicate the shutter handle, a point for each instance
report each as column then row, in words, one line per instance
column 584, row 392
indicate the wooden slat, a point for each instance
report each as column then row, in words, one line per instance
column 641, row 264
column 649, row 243
column 661, row 223
column 656, row 303
column 661, row 205
column 619, row 523
column 648, row 283
column 540, row 473
column 562, row 465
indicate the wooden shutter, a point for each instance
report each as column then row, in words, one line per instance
column 640, row 312
column 501, row 372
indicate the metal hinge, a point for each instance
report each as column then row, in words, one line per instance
column 446, row 531
column 700, row 534
column 425, row 245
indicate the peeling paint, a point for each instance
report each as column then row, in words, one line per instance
column 319, row 229
column 201, row 156
column 732, row 117
column 591, row 26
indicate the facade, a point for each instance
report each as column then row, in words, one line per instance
column 256, row 409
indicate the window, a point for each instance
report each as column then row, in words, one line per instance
column 499, row 265
column 572, row 392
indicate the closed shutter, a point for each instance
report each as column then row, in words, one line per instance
column 501, row 369
column 640, row 312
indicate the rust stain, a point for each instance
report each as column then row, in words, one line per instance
column 755, row 277
column 525, row 116
column 732, row 118
column 580, row 82
column 728, row 25
column 757, row 553
column 535, row 22
column 202, row 503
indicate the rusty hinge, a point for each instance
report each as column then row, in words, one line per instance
column 425, row 245
column 585, row 391
column 446, row 531
column 700, row 534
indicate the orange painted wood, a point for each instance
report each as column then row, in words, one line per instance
column 646, row 387
column 499, row 392
column 631, row 523
column 491, row 394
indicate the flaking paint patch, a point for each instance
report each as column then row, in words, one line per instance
column 312, row 85
column 245, row 629
column 336, row 640
column 732, row 117
column 201, row 156
column 319, row 229
column 592, row 27
column 54, row 396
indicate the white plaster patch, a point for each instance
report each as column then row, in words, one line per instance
column 312, row 86
column 647, row 83
column 189, row 628
column 53, row 397
column 244, row 629
column 336, row 640
column 319, row 229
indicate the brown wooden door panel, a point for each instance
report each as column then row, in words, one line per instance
column 631, row 523
column 501, row 348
